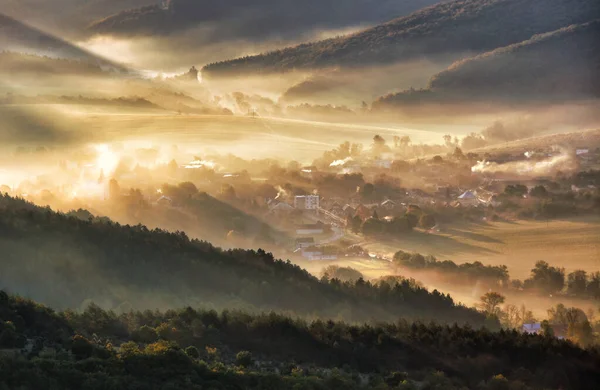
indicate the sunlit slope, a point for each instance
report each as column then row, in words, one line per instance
column 446, row 30
column 20, row 37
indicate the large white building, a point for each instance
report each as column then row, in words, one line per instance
column 307, row 202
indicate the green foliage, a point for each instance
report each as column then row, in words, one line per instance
column 244, row 359
column 377, row 350
column 81, row 347
column 546, row 278
column 144, row 334
column 192, row 352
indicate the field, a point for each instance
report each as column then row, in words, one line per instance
column 572, row 244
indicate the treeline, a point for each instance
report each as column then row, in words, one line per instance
column 544, row 278
column 470, row 272
column 67, row 261
column 194, row 349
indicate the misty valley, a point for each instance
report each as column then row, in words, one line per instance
column 364, row 194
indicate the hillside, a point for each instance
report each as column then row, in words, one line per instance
column 199, row 349
column 67, row 16
column 19, row 37
column 552, row 66
column 444, row 31
column 589, row 138
column 227, row 19
column 77, row 260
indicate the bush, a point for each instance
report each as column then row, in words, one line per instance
column 145, row 334
column 81, row 347
column 427, row 221
column 192, row 352
column 244, row 359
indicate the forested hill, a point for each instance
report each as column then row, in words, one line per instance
column 68, row 262
column 20, row 37
column 556, row 65
column 447, row 30
column 258, row 19
column 202, row 349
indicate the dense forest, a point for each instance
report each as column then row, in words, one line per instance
column 560, row 64
column 202, row 349
column 78, row 259
column 447, row 30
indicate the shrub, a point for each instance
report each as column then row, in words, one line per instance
column 244, row 359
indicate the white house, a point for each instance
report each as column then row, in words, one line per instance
column 468, row 198
column 307, row 202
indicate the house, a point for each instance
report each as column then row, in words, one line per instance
column 280, row 207
column 306, row 202
column 316, row 253
column 336, row 208
column 304, row 242
column 164, row 201
column 532, row 328
column 468, row 198
column 383, row 164
column 363, row 212
column 388, row 205
column 582, row 151
column 306, row 229
column 348, row 210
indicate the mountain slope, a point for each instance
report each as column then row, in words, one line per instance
column 446, row 30
column 563, row 64
column 65, row 261
column 252, row 19
column 20, row 37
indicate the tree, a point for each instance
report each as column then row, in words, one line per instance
column 515, row 190
column 413, row 220
column 577, row 283
column 490, row 303
column 81, row 347
column 538, row 192
column 192, row 352
column 345, row 274
column 427, row 221
column 145, row 334
column 546, row 278
column 244, row 359
column 547, row 329
column 372, row 227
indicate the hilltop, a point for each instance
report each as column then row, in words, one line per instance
column 444, row 31
column 230, row 19
column 77, row 260
column 562, row 64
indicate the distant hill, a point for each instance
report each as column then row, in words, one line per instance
column 447, row 30
column 66, row 16
column 589, row 138
column 67, row 261
column 16, row 36
column 563, row 64
column 261, row 19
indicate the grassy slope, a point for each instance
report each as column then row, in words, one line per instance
column 446, row 29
